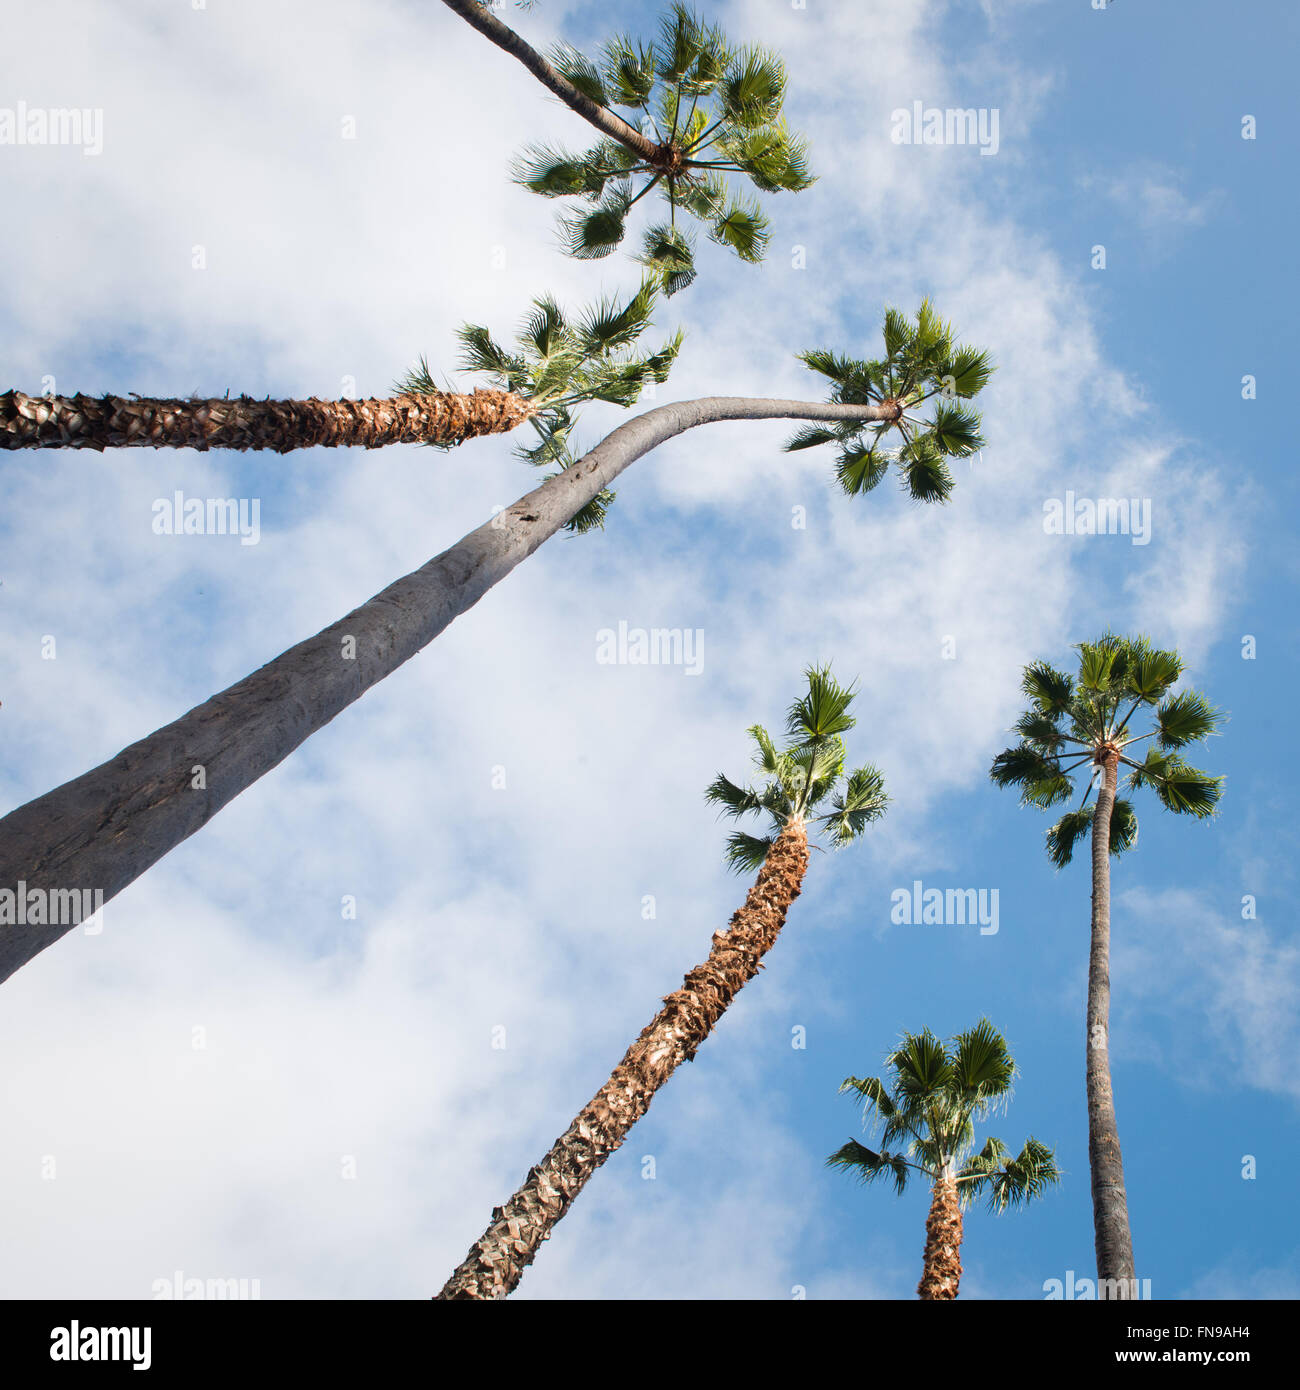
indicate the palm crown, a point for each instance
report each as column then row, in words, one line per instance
column 922, row 363
column 711, row 110
column 1081, row 721
column 561, row 361
column 929, row 1112
column 801, row 776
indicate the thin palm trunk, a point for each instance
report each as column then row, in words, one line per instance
column 941, row 1274
column 102, row 830
column 1109, row 1200
column 497, row 1260
column 606, row 121
column 138, row 422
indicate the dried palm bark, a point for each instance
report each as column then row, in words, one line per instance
column 943, row 1229
column 496, row 1261
column 116, row 422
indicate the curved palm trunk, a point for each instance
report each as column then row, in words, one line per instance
column 102, row 830
column 115, row 422
column 1109, row 1200
column 606, row 121
column 497, row 1260
column 941, row 1273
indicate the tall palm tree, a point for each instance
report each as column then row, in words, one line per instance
column 1086, row 721
column 935, row 1098
column 806, row 774
column 123, row 422
column 560, row 362
column 106, row 827
column 701, row 112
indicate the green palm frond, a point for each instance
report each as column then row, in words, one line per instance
column 806, row 772
column 667, row 251
column 1040, row 731
column 858, row 470
column 1049, row 689
column 1150, row 673
column 1186, row 718
column 916, row 371
column 955, row 431
column 629, row 72
column 968, row 372
column 1066, row 833
column 1119, row 679
column 594, row 233
column 809, row 437
column 823, row 712
column 734, row 800
column 862, row 801
column 868, row 1165
column 753, row 89
column 713, row 115
column 561, row 361
column 982, row 1064
column 929, row 1107
column 744, row 229
column 580, row 71
column 746, row 853
column 1028, row 768
column 555, row 173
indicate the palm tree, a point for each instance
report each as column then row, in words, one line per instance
column 102, row 830
column 806, row 774
column 121, row 422
column 936, row 1097
column 1087, row 721
column 700, row 112
column 561, row 362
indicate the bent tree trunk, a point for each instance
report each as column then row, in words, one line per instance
column 1109, row 1199
column 497, row 1260
column 941, row 1274
column 607, row 122
column 102, row 830
column 115, row 422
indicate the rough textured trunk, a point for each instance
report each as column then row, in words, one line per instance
column 116, row 422
column 496, row 1262
column 941, row 1275
column 1109, row 1200
column 606, row 121
column 102, row 830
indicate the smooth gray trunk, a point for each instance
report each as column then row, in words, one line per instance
column 104, row 829
column 1113, row 1241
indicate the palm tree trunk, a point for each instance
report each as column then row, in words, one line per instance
column 606, row 121
column 115, row 422
column 941, row 1274
column 1109, row 1200
column 102, row 830
column 497, row 1260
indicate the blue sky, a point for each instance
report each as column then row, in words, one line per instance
column 332, row 260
